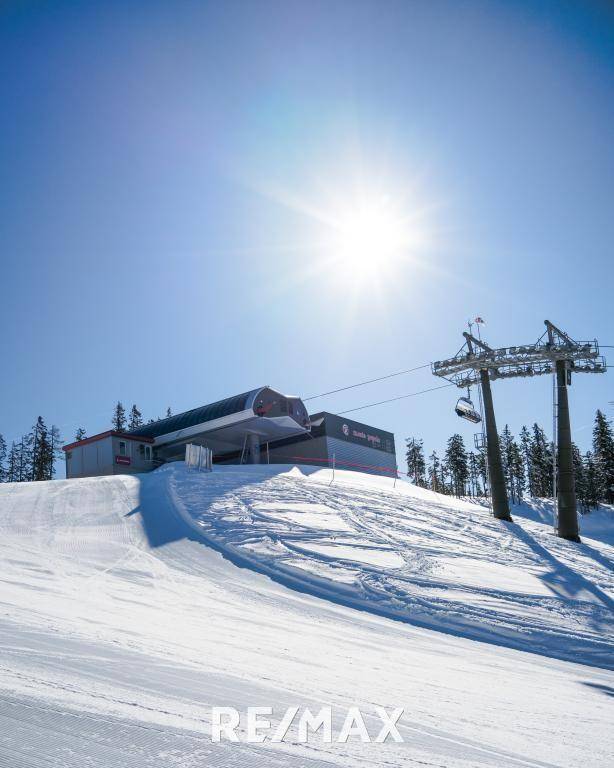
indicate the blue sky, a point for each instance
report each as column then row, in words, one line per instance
column 172, row 173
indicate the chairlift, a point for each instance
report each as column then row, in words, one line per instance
column 464, row 408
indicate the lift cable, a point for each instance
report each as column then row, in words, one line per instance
column 394, row 399
column 403, row 397
column 391, row 376
column 370, row 381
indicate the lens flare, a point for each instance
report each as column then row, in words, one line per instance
column 371, row 238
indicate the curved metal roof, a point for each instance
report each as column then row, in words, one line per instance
column 198, row 415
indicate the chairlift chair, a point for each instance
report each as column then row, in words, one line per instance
column 464, row 408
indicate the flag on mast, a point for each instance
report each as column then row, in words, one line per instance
column 479, row 321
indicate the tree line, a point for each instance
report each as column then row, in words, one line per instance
column 34, row 457
column 134, row 420
column 527, row 466
column 122, row 422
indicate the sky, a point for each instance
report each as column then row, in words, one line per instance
column 187, row 189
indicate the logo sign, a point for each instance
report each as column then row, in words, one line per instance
column 228, row 724
column 122, row 460
column 360, row 434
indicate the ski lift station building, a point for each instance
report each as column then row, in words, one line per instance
column 261, row 425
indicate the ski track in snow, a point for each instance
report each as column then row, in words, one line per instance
column 561, row 605
column 120, row 627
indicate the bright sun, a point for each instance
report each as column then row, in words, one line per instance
column 370, row 239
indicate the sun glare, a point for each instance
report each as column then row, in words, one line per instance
column 370, row 239
column 364, row 236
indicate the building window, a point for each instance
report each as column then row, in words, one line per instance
column 148, row 453
column 123, row 448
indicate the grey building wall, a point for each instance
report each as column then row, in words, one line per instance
column 98, row 458
column 361, row 458
column 350, row 442
column 320, row 452
column 91, row 459
column 291, row 452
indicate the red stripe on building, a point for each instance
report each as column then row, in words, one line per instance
column 109, row 433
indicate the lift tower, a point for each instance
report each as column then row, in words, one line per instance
column 555, row 352
column 473, row 365
column 562, row 350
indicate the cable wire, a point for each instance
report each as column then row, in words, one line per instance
column 370, row 381
column 390, row 376
column 394, row 399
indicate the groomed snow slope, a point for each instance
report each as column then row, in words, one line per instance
column 120, row 627
column 411, row 554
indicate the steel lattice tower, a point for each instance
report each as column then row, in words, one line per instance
column 553, row 353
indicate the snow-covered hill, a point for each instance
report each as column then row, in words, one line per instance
column 412, row 554
column 129, row 606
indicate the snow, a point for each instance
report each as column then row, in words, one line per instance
column 129, row 606
column 483, row 575
column 411, row 554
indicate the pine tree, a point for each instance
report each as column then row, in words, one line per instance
column 3, row 471
column 136, row 418
column 415, row 461
column 456, row 462
column 168, row 412
column 591, row 482
column 119, row 418
column 27, row 447
column 444, row 474
column 541, row 469
column 525, row 449
column 513, row 465
column 517, row 471
column 474, row 474
column 30, row 453
column 433, row 472
column 579, row 477
column 42, row 458
column 12, row 469
column 505, row 442
column 80, row 434
column 603, row 455
column 56, row 450
column 483, row 470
